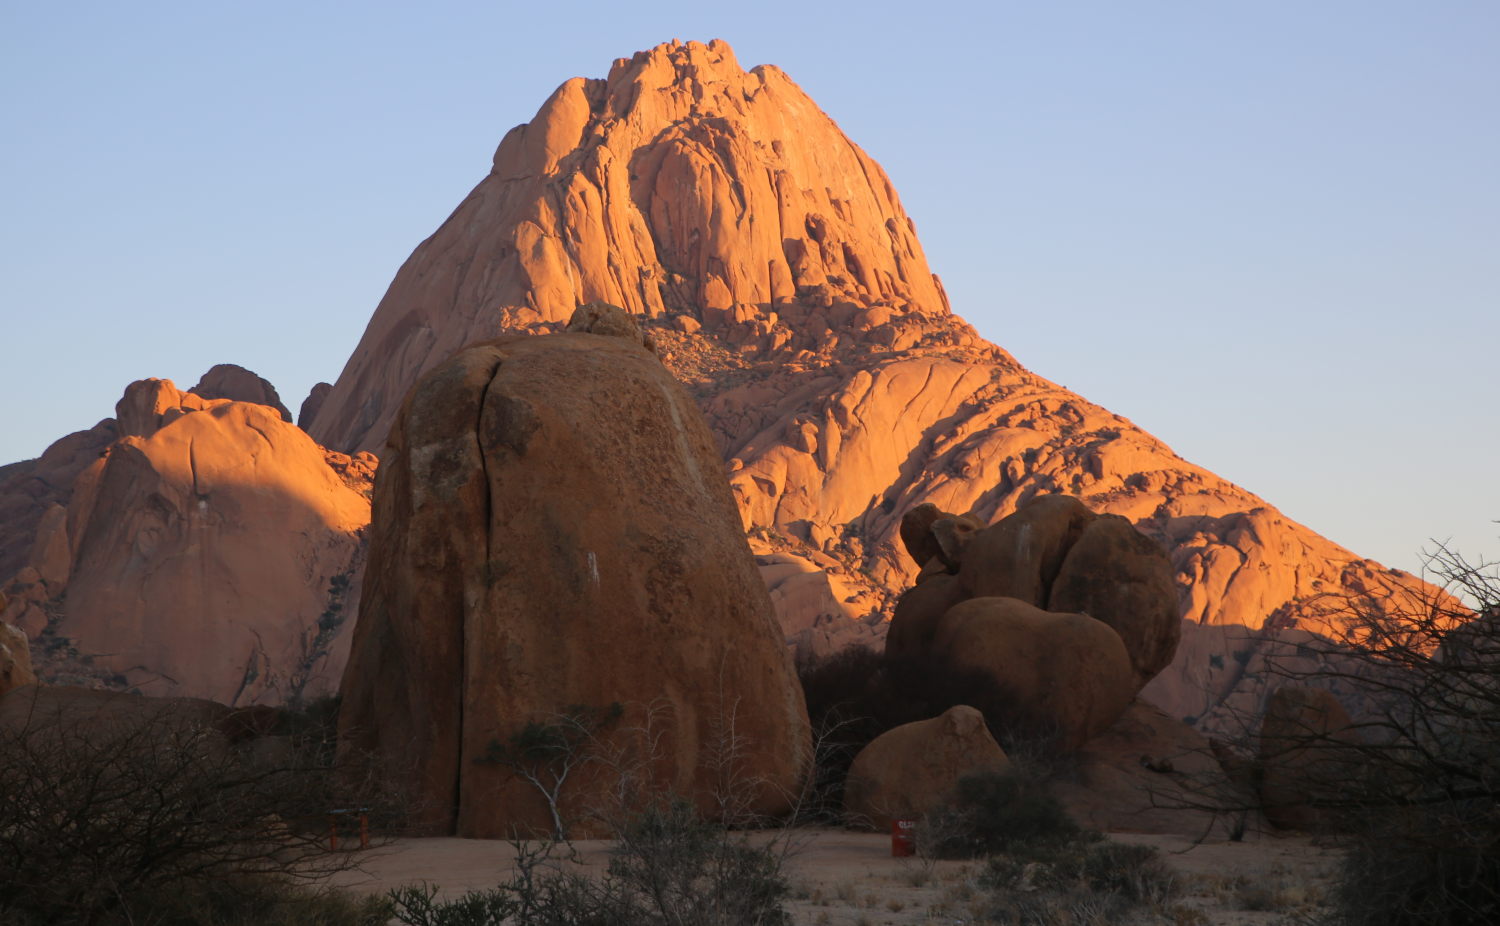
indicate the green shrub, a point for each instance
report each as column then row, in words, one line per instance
column 417, row 905
column 991, row 812
column 1433, row 866
column 1135, row 873
column 688, row 871
column 1041, row 867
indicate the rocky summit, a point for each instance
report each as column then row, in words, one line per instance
column 772, row 264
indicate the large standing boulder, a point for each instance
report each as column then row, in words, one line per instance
column 907, row 771
column 1308, row 755
column 1058, row 678
column 553, row 532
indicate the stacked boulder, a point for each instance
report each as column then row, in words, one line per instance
column 1049, row 621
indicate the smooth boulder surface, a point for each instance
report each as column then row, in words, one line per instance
column 1307, row 753
column 552, row 530
column 1151, row 773
column 908, row 770
column 1118, row 575
column 1043, row 676
column 919, row 613
column 1020, row 555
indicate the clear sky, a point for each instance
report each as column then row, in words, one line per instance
column 1268, row 232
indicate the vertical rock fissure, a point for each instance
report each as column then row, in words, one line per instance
column 484, row 570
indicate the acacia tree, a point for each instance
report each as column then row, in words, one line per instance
column 1417, row 784
column 1409, row 779
column 546, row 753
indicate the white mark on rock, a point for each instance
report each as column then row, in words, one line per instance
column 593, row 568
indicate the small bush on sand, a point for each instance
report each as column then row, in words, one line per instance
column 991, row 812
column 1137, row 874
column 669, row 867
column 1086, row 879
column 1042, row 868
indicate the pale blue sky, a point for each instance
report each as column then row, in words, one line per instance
column 1267, row 232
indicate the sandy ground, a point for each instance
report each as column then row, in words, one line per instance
column 841, row 877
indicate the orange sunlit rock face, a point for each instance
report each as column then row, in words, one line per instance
column 782, row 282
column 679, row 181
column 212, row 550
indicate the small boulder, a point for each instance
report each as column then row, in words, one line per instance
column 928, row 533
column 611, row 321
column 906, row 771
column 69, row 711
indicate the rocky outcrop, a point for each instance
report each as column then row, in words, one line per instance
column 312, row 404
column 30, row 488
column 553, row 533
column 1151, row 773
column 909, row 770
column 15, row 657
column 207, row 549
column 228, row 381
column 781, row 280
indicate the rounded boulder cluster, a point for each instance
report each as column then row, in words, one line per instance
column 1049, row 620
